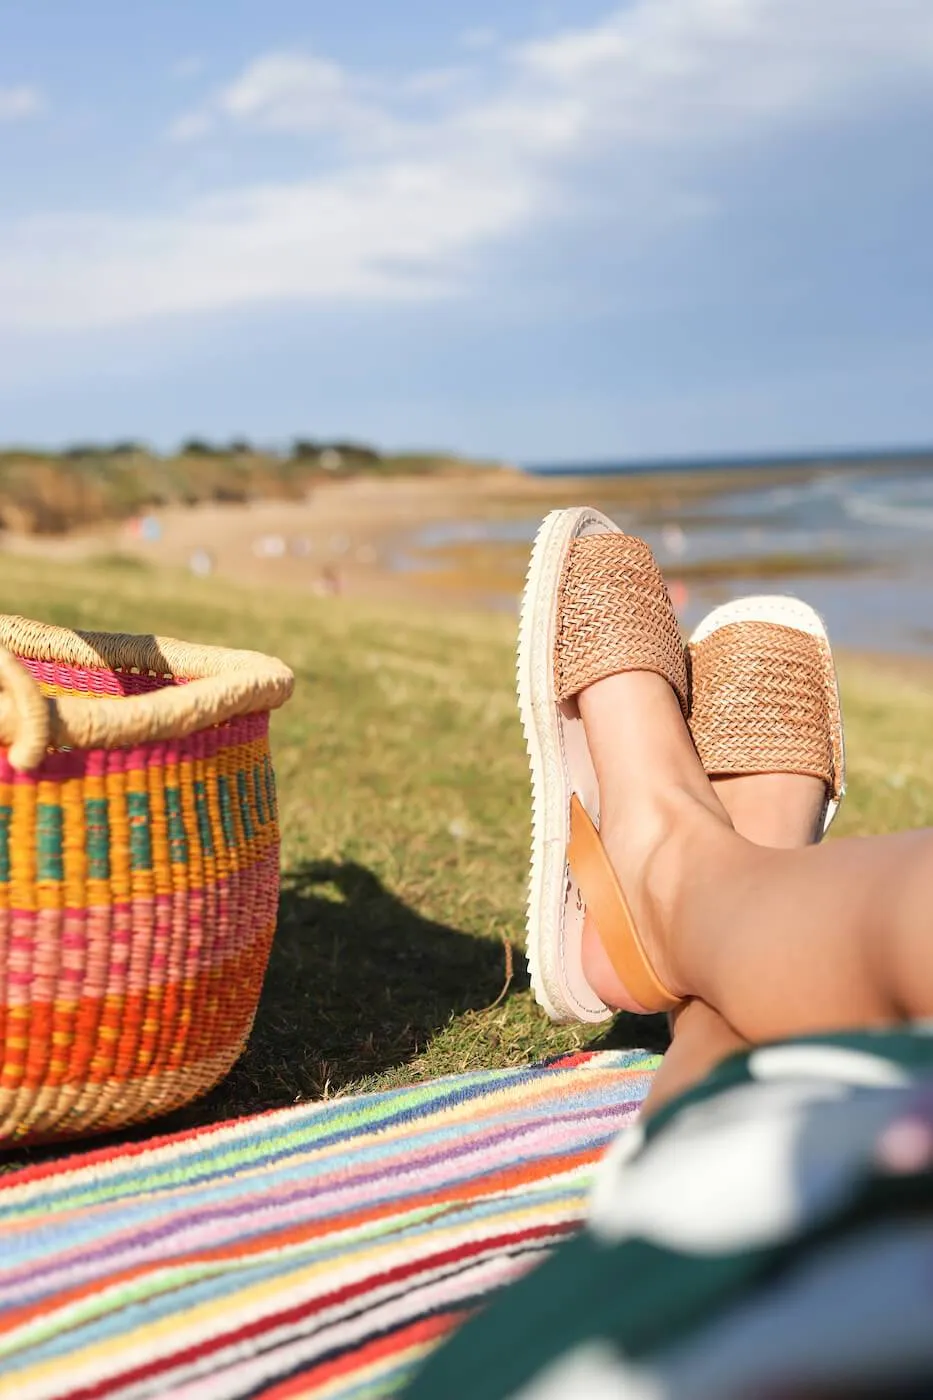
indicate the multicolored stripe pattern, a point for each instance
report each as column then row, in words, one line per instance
column 138, row 896
column 315, row 1251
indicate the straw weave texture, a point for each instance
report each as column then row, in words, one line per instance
column 761, row 702
column 221, row 685
column 614, row 615
column 138, row 877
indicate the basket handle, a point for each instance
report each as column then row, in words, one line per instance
column 225, row 684
column 29, row 713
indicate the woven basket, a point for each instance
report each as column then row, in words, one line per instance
column 139, row 871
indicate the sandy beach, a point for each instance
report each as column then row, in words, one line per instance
column 460, row 538
column 360, row 534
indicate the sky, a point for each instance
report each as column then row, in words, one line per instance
column 539, row 230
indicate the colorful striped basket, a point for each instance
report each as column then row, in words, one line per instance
column 139, row 871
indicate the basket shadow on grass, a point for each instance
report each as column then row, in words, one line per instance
column 357, row 983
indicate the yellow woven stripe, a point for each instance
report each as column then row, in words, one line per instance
column 6, row 802
column 142, row 881
column 166, row 879
column 54, row 691
column 120, row 882
column 76, row 890
column 221, row 854
column 74, row 838
column 23, row 847
column 186, row 776
column 49, row 893
column 162, row 877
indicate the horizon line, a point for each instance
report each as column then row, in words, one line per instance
column 844, row 456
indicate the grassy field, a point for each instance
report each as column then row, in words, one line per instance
column 404, row 808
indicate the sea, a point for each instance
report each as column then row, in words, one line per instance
column 852, row 535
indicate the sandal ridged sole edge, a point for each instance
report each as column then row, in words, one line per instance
column 550, row 781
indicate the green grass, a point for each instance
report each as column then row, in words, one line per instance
column 404, row 807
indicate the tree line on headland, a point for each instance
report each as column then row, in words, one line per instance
column 52, row 492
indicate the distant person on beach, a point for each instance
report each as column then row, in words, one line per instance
column 766, row 1230
column 201, row 563
column 328, row 584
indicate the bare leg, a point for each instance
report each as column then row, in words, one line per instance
column 772, row 809
column 779, row 942
column 780, row 810
column 700, row 1040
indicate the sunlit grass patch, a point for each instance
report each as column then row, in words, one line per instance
column 404, row 803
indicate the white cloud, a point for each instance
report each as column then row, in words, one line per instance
column 191, row 126
column 481, row 37
column 188, row 67
column 687, row 71
column 295, row 93
column 394, row 235
column 20, row 103
column 425, row 174
column 435, row 81
column 289, row 92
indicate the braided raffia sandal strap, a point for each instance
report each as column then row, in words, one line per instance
column 763, row 701
column 615, row 614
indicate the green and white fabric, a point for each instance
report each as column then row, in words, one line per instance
column 768, row 1234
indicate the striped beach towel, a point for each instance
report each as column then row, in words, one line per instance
column 320, row 1250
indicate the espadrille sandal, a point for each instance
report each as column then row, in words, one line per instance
column 764, row 694
column 594, row 604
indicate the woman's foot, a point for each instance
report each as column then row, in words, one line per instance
column 596, row 617
column 603, row 696
column 657, row 811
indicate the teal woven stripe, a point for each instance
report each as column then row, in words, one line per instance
column 226, row 812
column 205, row 830
column 137, row 806
column 246, row 815
column 177, row 838
column 271, row 797
column 97, row 838
column 258, row 786
column 6, row 816
column 49, row 831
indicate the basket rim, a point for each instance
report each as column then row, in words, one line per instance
column 222, row 684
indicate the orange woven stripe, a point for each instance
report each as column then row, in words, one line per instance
column 120, row 1033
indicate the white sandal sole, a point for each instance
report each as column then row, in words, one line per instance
column 560, row 766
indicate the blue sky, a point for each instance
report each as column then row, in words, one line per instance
column 534, row 230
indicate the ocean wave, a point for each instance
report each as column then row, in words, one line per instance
column 820, row 487
column 874, row 510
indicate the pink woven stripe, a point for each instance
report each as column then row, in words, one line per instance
column 60, row 765
column 96, row 680
column 56, row 955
